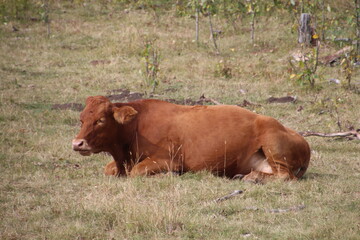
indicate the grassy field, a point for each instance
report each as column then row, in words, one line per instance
column 47, row 191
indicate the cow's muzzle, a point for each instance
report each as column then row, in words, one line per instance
column 81, row 146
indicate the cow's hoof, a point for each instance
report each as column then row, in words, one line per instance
column 238, row 176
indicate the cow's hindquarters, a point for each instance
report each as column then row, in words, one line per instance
column 283, row 153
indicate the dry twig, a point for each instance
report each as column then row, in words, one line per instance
column 353, row 134
column 331, row 59
column 226, row 197
column 205, row 99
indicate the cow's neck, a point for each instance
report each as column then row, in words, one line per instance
column 120, row 150
column 117, row 152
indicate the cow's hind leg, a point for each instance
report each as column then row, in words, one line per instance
column 262, row 177
column 286, row 152
column 258, row 177
column 281, row 163
column 265, row 168
column 150, row 166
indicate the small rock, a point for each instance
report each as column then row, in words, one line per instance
column 334, row 80
column 242, row 91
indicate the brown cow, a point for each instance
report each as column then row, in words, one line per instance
column 152, row 136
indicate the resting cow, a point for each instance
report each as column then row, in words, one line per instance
column 152, row 136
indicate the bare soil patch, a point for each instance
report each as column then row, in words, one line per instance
column 124, row 95
column 68, row 106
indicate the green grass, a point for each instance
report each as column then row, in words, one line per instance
column 47, row 191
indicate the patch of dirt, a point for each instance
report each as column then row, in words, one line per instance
column 124, row 95
column 68, row 106
column 286, row 99
column 187, row 101
column 119, row 90
column 100, row 62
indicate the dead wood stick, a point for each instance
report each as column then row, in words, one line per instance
column 213, row 101
column 205, row 99
column 354, row 134
column 226, row 197
column 331, row 58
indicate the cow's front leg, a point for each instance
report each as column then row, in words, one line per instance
column 150, row 166
column 114, row 169
column 111, row 169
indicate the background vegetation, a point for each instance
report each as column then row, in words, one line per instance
column 55, row 52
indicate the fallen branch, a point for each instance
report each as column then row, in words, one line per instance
column 247, row 103
column 226, row 197
column 213, row 101
column 205, row 99
column 331, row 59
column 343, row 40
column 354, row 134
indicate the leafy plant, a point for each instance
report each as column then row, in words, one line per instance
column 44, row 15
column 222, row 69
column 151, row 57
column 306, row 69
column 347, row 65
column 207, row 7
column 253, row 9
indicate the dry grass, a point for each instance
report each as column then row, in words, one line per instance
column 49, row 192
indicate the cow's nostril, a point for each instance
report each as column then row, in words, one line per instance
column 78, row 144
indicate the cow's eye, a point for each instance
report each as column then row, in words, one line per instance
column 100, row 121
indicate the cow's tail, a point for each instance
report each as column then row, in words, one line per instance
column 305, row 162
column 302, row 170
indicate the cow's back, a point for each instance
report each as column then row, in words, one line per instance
column 200, row 137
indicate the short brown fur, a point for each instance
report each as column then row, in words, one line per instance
column 152, row 136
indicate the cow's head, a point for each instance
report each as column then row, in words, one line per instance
column 100, row 121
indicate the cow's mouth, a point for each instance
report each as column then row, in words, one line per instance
column 85, row 152
column 81, row 146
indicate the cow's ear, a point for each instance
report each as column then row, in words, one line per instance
column 89, row 100
column 124, row 114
